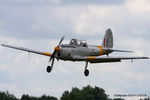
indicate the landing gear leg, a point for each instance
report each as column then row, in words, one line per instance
column 49, row 68
column 86, row 72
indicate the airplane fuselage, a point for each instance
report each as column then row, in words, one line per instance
column 67, row 52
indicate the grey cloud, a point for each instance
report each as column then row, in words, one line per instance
column 43, row 21
column 54, row 21
column 97, row 2
column 32, row 22
column 62, row 2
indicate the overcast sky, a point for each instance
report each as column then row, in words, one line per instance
column 39, row 25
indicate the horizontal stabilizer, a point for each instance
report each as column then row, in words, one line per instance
column 121, row 50
column 108, row 50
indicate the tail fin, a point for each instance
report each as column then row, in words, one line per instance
column 108, row 39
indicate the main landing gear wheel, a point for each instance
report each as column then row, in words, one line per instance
column 86, row 72
column 49, row 69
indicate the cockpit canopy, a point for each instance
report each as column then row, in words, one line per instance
column 78, row 42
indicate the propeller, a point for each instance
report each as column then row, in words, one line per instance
column 56, row 49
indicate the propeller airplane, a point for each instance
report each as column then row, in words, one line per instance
column 79, row 50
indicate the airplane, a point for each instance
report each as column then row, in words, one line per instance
column 79, row 50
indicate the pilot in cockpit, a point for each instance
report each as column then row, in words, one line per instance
column 73, row 42
column 83, row 43
column 76, row 42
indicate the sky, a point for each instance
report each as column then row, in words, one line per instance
column 39, row 25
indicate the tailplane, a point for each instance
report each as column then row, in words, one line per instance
column 108, row 39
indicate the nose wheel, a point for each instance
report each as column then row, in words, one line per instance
column 86, row 71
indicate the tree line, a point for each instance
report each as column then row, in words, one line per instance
column 86, row 93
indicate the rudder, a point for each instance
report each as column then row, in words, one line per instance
column 108, row 39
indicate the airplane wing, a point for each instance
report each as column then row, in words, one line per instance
column 27, row 50
column 100, row 59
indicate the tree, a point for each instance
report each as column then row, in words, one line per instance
column 118, row 99
column 27, row 97
column 44, row 97
column 7, row 96
column 86, row 93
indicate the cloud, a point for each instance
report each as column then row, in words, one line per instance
column 142, row 6
column 64, row 2
column 44, row 21
column 53, row 21
column 29, row 2
column 97, row 2
column 37, row 25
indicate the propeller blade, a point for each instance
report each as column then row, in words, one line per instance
column 61, row 40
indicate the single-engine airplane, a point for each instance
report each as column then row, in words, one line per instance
column 79, row 50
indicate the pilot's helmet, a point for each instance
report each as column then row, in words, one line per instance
column 73, row 42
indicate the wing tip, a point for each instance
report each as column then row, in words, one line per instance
column 145, row 57
column 4, row 45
